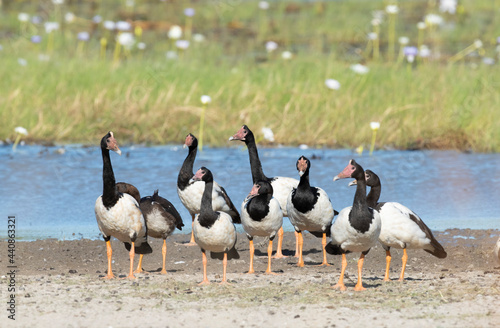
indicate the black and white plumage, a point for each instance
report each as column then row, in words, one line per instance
column 309, row 208
column 190, row 193
column 356, row 228
column 282, row 186
column 261, row 215
column 401, row 227
column 213, row 231
column 161, row 219
column 118, row 214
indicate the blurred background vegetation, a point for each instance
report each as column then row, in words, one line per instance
column 313, row 72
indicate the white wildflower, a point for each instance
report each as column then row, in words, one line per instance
column 175, row 32
column 264, row 5
column 268, row 134
column 392, row 9
column 332, row 84
column 69, row 17
column 374, row 125
column 205, row 99
column 197, row 37
column 123, row 26
column 109, row 25
column 51, row 26
column 182, row 44
column 433, row 19
column 449, row 6
column 21, row 130
column 23, row 17
column 360, row 69
column 271, row 46
column 126, row 39
column 286, row 55
column 404, row 40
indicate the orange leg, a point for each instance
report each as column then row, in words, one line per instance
column 224, row 268
column 387, row 265
column 252, row 251
column 192, row 242
column 131, row 254
column 300, row 263
column 164, row 253
column 139, row 265
column 340, row 284
column 359, row 285
column 279, row 254
column 323, row 243
column 404, row 259
column 269, row 252
column 109, row 252
column 296, row 244
column 205, row 279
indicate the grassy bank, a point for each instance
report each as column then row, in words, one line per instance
column 73, row 94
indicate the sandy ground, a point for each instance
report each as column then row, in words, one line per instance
column 59, row 284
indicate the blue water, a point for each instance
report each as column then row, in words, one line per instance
column 52, row 194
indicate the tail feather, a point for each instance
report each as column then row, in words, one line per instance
column 143, row 248
column 438, row 250
column 334, row 249
column 232, row 254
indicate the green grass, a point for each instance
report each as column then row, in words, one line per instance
column 76, row 97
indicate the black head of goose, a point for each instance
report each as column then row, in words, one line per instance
column 213, row 231
column 261, row 215
column 282, row 186
column 357, row 227
column 309, row 208
column 118, row 214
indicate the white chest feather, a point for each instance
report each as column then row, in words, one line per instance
column 317, row 219
column 268, row 226
column 345, row 235
column 123, row 221
column 158, row 226
column 220, row 237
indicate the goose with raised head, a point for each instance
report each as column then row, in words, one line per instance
column 213, row 231
column 261, row 215
column 309, row 208
column 190, row 193
column 118, row 214
column 401, row 227
column 282, row 186
column 356, row 228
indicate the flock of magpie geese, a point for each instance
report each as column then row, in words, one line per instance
column 123, row 214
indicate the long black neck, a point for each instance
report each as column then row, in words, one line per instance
column 207, row 215
column 255, row 164
column 360, row 216
column 258, row 207
column 304, row 197
column 374, row 195
column 186, row 171
column 109, row 193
